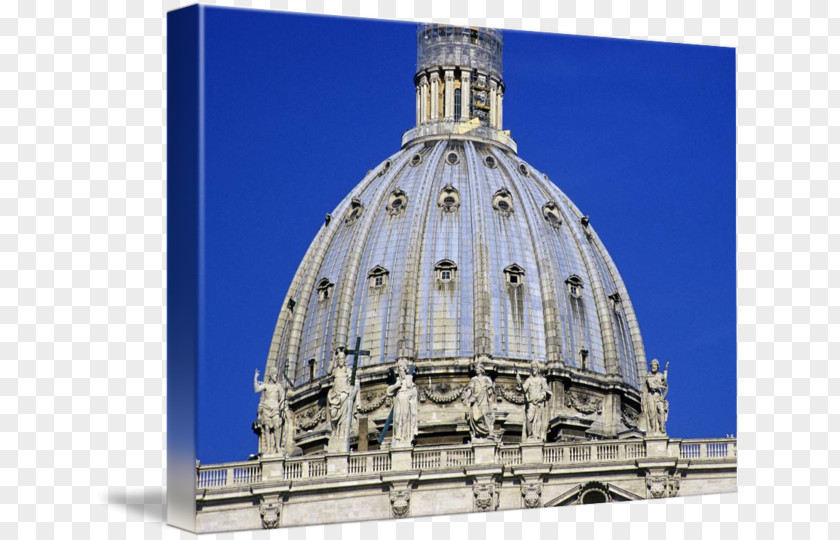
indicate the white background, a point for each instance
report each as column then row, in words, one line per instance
column 82, row 269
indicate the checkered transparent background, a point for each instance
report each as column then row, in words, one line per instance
column 82, row 268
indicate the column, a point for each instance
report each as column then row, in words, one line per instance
column 499, row 109
column 435, row 97
column 465, row 95
column 449, row 95
column 493, row 107
column 417, row 116
column 424, row 100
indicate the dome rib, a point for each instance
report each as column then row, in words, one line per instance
column 548, row 285
column 347, row 286
column 610, row 357
column 627, row 305
column 408, row 298
column 303, row 284
column 482, row 305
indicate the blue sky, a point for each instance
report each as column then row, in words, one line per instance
column 640, row 135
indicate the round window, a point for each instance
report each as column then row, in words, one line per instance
column 523, row 169
column 452, row 158
column 449, row 199
column 415, row 160
column 490, row 161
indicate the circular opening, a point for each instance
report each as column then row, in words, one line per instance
column 490, row 161
column 449, row 199
column 452, row 158
column 387, row 165
column 523, row 169
column 552, row 217
column 397, row 203
column 415, row 160
column 503, row 204
column 594, row 497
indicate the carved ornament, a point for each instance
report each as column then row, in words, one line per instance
column 310, row 418
column 270, row 514
column 486, row 496
column 400, row 499
column 584, row 403
column 370, row 403
column 443, row 393
column 512, row 394
column 629, row 417
column 532, row 494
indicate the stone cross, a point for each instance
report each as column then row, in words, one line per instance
column 357, row 352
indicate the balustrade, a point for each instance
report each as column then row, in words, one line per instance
column 425, row 458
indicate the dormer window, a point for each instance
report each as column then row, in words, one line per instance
column 452, row 158
column 385, row 166
column 416, row 160
column 449, row 199
column 523, row 169
column 575, row 286
column 552, row 214
column 356, row 209
column 378, row 277
column 325, row 289
column 502, row 202
column 616, row 301
column 514, row 275
column 397, row 202
column 445, row 271
column 490, row 162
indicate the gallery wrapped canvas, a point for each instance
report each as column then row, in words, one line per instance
column 381, row 306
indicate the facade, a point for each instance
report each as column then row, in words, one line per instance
column 456, row 339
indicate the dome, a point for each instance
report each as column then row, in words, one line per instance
column 526, row 277
column 455, row 248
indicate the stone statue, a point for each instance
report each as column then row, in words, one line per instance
column 655, row 408
column 478, row 396
column 404, row 392
column 537, row 395
column 338, row 400
column 271, row 413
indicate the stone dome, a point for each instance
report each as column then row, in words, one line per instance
column 455, row 248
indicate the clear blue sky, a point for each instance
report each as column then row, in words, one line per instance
column 640, row 135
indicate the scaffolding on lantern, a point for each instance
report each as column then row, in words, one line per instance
column 444, row 45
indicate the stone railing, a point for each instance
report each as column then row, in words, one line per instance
column 441, row 457
column 708, row 448
column 226, row 475
column 369, row 462
column 298, row 468
column 593, row 451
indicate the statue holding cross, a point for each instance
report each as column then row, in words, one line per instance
column 342, row 396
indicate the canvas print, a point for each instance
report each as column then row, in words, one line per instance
column 422, row 269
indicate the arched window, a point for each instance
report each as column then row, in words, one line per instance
column 502, row 202
column 457, row 104
column 552, row 214
column 397, row 202
column 449, row 199
column 324, row 288
column 575, row 286
column 356, row 209
column 445, row 270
